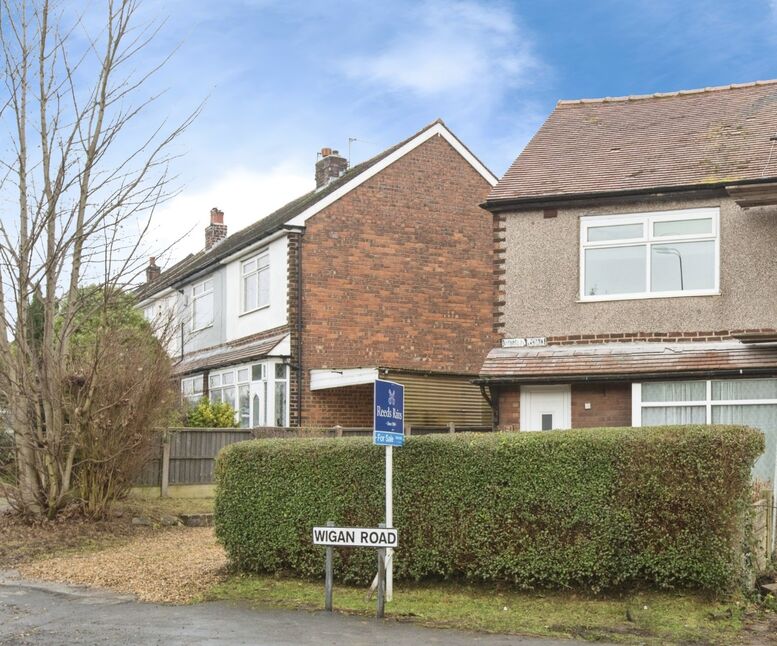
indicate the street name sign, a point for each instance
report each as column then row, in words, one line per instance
column 389, row 414
column 355, row 537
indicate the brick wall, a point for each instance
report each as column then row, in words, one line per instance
column 652, row 337
column 351, row 406
column 292, row 309
column 610, row 405
column 399, row 273
column 509, row 407
column 500, row 284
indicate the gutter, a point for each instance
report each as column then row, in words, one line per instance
column 633, row 376
column 570, row 199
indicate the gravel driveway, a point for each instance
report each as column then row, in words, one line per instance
column 37, row 614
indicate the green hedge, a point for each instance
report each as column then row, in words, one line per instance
column 592, row 508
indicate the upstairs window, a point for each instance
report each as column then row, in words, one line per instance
column 255, row 282
column 202, row 305
column 650, row 255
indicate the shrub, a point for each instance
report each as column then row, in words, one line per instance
column 207, row 414
column 584, row 508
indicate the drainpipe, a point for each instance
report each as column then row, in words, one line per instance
column 488, row 396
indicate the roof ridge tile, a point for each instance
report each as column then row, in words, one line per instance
column 664, row 95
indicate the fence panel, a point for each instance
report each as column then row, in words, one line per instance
column 193, row 451
column 151, row 476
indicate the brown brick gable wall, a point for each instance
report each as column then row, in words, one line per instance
column 292, row 309
column 398, row 273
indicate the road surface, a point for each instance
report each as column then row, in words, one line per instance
column 44, row 613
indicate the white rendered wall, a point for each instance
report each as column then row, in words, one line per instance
column 275, row 314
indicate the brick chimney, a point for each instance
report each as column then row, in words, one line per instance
column 329, row 167
column 153, row 271
column 216, row 231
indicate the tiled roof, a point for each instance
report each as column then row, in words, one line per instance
column 625, row 359
column 227, row 355
column 712, row 136
column 262, row 228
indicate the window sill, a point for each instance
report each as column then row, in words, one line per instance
column 644, row 297
column 200, row 329
column 256, row 309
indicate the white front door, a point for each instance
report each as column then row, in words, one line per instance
column 544, row 408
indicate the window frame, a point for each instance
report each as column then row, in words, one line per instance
column 648, row 239
column 638, row 405
column 195, row 297
column 267, row 384
column 193, row 397
column 262, row 260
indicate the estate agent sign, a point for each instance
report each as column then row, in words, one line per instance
column 389, row 418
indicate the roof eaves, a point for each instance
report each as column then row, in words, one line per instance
column 505, row 203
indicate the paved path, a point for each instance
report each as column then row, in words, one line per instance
column 57, row 614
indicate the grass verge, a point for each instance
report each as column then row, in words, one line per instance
column 643, row 617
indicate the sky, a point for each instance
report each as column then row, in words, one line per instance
column 282, row 79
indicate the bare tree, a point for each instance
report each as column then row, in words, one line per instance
column 81, row 180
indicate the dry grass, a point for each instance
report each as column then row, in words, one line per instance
column 171, row 566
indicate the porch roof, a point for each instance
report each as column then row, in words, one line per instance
column 230, row 354
column 608, row 361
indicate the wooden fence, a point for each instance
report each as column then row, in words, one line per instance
column 187, row 456
column 763, row 529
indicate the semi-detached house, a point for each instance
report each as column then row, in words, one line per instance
column 385, row 269
column 636, row 266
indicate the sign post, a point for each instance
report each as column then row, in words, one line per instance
column 382, row 538
column 389, row 431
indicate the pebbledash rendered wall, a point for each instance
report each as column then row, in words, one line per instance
column 398, row 274
column 542, row 271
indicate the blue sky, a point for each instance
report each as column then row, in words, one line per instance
column 283, row 79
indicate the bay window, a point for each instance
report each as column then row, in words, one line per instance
column 649, row 255
column 246, row 388
column 747, row 402
column 192, row 389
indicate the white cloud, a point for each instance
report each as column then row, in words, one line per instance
column 459, row 47
column 244, row 195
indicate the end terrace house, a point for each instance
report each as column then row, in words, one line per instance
column 384, row 269
column 636, row 265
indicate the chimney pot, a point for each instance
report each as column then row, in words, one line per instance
column 325, row 152
column 216, row 231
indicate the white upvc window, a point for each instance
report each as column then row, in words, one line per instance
column 281, row 406
column 192, row 389
column 255, row 282
column 747, row 402
column 259, row 392
column 650, row 255
column 202, row 305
